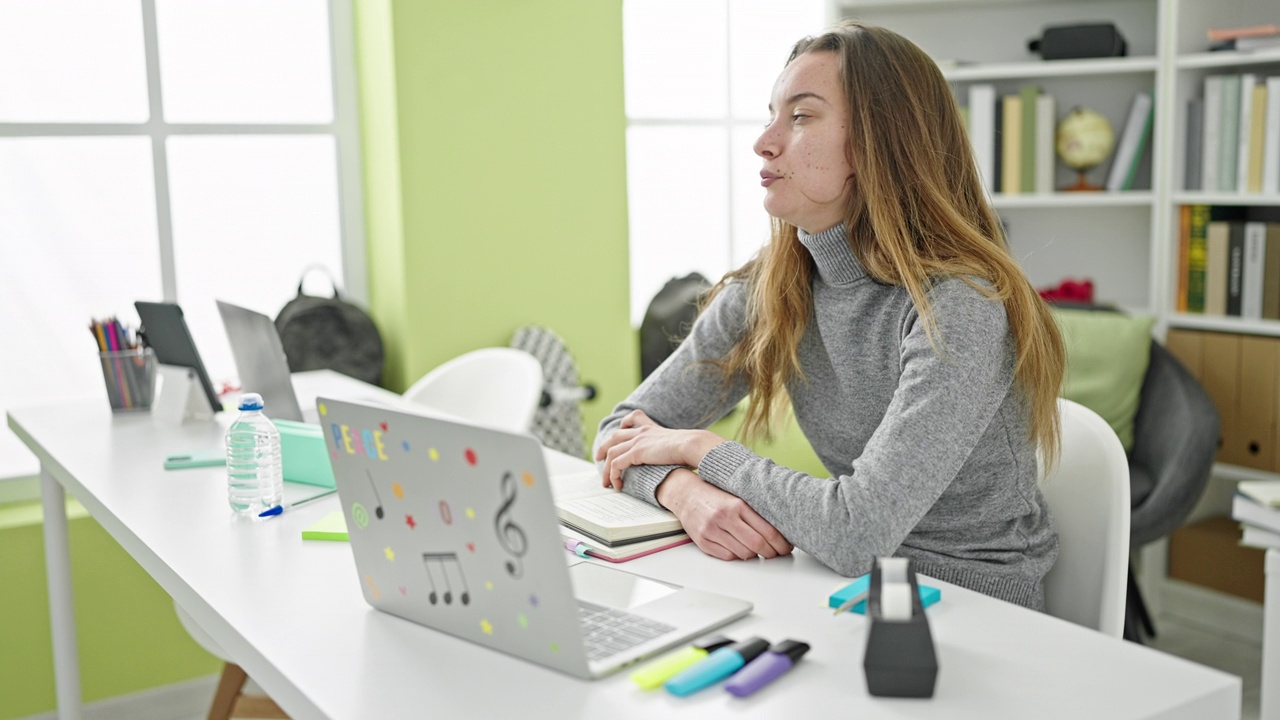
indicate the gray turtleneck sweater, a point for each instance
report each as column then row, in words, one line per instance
column 929, row 454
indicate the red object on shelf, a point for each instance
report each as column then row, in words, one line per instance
column 1077, row 291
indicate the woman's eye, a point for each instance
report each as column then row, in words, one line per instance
column 798, row 117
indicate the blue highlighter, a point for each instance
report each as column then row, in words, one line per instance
column 717, row 666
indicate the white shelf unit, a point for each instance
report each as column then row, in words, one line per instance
column 1190, row 64
column 1128, row 242
column 1115, row 242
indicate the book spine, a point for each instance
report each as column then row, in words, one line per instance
column 1255, row 246
column 1215, row 284
column 1221, row 34
column 1271, row 143
column 1211, row 133
column 1229, row 134
column 1184, row 267
column 1271, row 274
column 982, row 131
column 1245, row 132
column 1195, row 256
column 1235, row 269
column 1192, row 155
column 997, row 147
column 1130, row 142
column 1046, row 122
column 1257, row 136
column 1027, row 172
column 1011, row 184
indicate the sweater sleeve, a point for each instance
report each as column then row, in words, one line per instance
column 687, row 391
column 942, row 406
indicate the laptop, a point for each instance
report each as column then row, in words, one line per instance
column 452, row 526
column 261, row 362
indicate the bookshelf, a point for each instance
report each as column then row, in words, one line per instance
column 1127, row 242
column 1116, row 243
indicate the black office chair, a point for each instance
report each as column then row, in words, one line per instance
column 1175, row 439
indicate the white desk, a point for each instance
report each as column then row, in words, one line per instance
column 292, row 615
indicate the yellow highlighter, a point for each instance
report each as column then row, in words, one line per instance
column 652, row 676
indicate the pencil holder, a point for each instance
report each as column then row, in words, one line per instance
column 130, row 376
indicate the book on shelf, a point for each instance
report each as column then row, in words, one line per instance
column 1271, row 139
column 1046, row 123
column 1027, row 151
column 1132, row 141
column 1011, row 140
column 1251, row 512
column 606, row 516
column 1245, row 134
column 1191, row 158
column 1257, row 136
column 1271, row 274
column 1255, row 247
column 1235, row 269
column 1211, row 133
column 982, row 132
column 1215, row 272
column 1229, row 134
column 1193, row 226
column 1263, row 492
column 1251, row 31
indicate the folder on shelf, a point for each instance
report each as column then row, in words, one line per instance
column 1215, row 283
column 1229, row 134
column 1271, row 139
column 1011, row 140
column 1211, row 133
column 1259, row 367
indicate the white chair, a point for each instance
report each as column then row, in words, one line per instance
column 1088, row 494
column 496, row 387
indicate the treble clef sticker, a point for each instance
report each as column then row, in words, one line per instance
column 510, row 535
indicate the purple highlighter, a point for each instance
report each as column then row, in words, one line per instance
column 766, row 668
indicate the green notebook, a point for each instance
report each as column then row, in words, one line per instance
column 330, row 527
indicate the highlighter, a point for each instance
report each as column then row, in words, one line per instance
column 767, row 668
column 657, row 672
column 717, row 666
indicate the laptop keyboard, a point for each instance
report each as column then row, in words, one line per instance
column 607, row 631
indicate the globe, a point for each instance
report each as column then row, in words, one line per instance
column 1084, row 140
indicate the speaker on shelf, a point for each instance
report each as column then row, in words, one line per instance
column 1070, row 42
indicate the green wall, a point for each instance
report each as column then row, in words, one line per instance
column 494, row 145
column 128, row 636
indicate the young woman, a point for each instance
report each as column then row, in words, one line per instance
column 918, row 360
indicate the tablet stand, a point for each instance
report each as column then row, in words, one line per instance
column 180, row 397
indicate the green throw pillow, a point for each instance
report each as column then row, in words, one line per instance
column 1107, row 356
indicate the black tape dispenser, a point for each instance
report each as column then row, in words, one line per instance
column 900, row 659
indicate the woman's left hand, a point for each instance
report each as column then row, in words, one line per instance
column 641, row 441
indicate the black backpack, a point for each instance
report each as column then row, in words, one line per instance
column 329, row 333
column 668, row 319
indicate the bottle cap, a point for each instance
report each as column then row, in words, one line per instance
column 250, row 401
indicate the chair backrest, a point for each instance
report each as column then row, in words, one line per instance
column 495, row 387
column 1088, row 495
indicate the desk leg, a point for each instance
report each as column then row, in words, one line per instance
column 57, row 562
column 1271, row 639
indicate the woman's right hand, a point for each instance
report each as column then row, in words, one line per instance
column 723, row 525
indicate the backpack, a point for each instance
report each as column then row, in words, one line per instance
column 329, row 333
column 668, row 319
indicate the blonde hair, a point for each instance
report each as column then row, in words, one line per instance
column 917, row 212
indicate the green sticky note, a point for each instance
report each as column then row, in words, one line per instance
column 330, row 527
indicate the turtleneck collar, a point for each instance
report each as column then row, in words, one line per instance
column 833, row 256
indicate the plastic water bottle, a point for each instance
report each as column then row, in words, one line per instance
column 255, row 477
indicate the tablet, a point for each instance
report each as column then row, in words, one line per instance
column 165, row 331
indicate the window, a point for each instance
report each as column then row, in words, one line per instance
column 698, row 78
column 165, row 149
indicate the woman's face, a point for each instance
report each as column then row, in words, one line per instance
column 806, row 174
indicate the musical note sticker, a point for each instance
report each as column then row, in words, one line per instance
column 377, row 511
column 408, row 520
column 524, row 621
column 398, row 490
column 528, row 479
column 323, row 410
column 510, row 535
column 433, row 454
column 445, row 513
column 368, row 579
column 471, row 514
column 446, row 560
column 471, row 456
column 405, row 444
column 391, row 554
column 486, row 627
